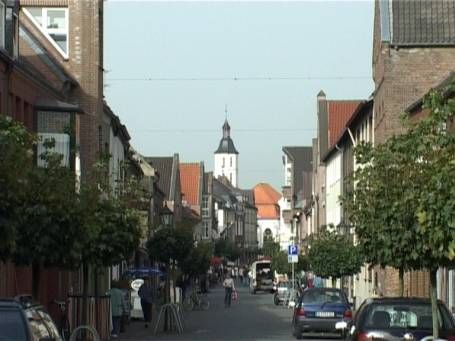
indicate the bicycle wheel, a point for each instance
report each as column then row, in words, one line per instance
column 188, row 304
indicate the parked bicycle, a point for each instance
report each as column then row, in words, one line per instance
column 64, row 323
column 196, row 301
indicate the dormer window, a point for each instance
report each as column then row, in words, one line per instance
column 53, row 22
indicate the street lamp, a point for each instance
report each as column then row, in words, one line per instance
column 167, row 216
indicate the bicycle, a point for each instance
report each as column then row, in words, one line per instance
column 196, row 302
column 64, row 324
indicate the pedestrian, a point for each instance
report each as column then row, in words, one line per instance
column 228, row 285
column 146, row 294
column 241, row 273
column 117, row 307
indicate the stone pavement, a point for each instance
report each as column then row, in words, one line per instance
column 253, row 317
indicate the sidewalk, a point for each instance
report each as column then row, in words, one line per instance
column 136, row 330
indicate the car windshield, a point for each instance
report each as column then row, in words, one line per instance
column 402, row 315
column 12, row 326
column 322, row 296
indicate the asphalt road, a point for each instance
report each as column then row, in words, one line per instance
column 253, row 317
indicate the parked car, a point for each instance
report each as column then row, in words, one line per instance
column 401, row 318
column 23, row 320
column 281, row 292
column 318, row 310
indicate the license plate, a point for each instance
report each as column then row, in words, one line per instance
column 325, row 314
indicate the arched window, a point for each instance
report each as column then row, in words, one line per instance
column 268, row 235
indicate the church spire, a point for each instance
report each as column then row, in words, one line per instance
column 226, row 129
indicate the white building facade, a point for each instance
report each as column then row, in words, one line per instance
column 227, row 158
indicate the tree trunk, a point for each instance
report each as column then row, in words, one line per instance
column 401, row 280
column 36, row 278
column 334, row 282
column 167, row 296
column 85, row 283
column 434, row 302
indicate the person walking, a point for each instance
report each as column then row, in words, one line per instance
column 117, row 307
column 228, row 285
column 146, row 294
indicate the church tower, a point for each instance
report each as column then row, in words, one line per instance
column 227, row 157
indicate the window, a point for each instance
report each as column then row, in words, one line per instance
column 205, row 207
column 206, row 229
column 230, row 162
column 223, row 162
column 53, row 22
column 2, row 24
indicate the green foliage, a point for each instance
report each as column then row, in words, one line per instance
column 170, row 243
column 227, row 249
column 404, row 197
column 50, row 230
column 44, row 221
column 270, row 248
column 197, row 261
column 113, row 231
column 16, row 157
column 403, row 202
column 333, row 255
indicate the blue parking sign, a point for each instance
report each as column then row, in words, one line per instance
column 293, row 250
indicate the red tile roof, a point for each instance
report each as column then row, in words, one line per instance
column 266, row 200
column 191, row 182
column 339, row 112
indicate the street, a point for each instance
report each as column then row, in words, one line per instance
column 253, row 317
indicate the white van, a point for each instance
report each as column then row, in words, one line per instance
column 261, row 276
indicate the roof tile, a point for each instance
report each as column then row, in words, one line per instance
column 339, row 113
column 266, row 201
column 190, row 178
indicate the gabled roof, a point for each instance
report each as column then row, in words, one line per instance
column 266, row 200
column 418, row 22
column 265, row 194
column 140, row 162
column 222, row 192
column 302, row 162
column 118, row 128
column 339, row 112
column 191, row 182
column 362, row 109
column 166, row 167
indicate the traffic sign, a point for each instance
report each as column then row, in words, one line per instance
column 293, row 250
column 293, row 259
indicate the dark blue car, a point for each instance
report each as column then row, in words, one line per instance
column 402, row 318
column 318, row 310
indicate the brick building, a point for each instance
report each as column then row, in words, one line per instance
column 413, row 51
column 73, row 39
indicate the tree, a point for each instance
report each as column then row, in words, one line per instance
column 333, row 255
column 49, row 221
column 227, row 249
column 16, row 157
column 270, row 248
column 403, row 200
column 198, row 260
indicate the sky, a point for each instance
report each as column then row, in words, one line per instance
column 173, row 67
